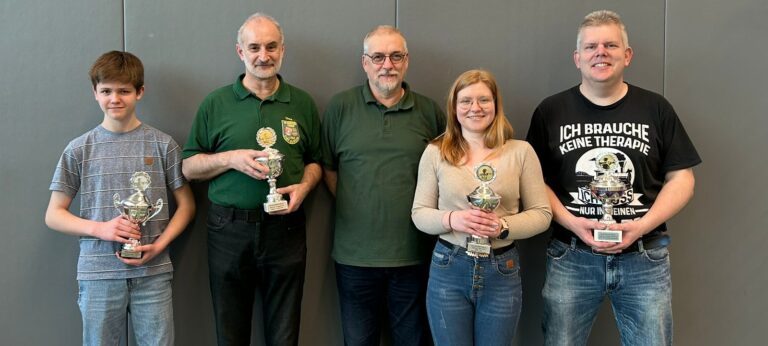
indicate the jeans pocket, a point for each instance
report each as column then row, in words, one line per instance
column 441, row 256
column 508, row 263
column 658, row 254
column 557, row 250
column 215, row 222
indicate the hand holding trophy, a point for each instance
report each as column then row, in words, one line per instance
column 485, row 199
column 266, row 137
column 608, row 189
column 136, row 208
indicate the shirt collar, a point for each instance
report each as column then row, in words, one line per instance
column 406, row 102
column 281, row 95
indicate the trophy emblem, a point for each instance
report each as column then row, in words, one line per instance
column 608, row 189
column 266, row 137
column 136, row 208
column 485, row 199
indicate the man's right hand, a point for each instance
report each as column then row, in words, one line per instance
column 244, row 160
column 584, row 229
column 118, row 229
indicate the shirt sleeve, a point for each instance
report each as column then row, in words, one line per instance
column 314, row 153
column 425, row 213
column 66, row 176
column 328, row 136
column 536, row 213
column 174, row 177
column 198, row 140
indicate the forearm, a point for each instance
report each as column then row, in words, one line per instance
column 205, row 166
column 312, row 175
column 61, row 220
column 330, row 178
column 430, row 220
column 528, row 223
column 674, row 195
column 185, row 212
column 559, row 214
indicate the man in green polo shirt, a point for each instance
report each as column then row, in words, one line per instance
column 373, row 138
column 250, row 250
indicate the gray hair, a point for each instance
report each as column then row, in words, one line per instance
column 259, row 16
column 602, row 17
column 383, row 29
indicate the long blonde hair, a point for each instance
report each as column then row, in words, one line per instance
column 453, row 146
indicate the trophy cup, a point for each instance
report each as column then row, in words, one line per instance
column 266, row 137
column 485, row 199
column 608, row 189
column 137, row 209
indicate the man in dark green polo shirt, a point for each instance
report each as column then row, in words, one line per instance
column 373, row 138
column 249, row 249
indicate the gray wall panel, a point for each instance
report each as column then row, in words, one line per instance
column 188, row 54
column 716, row 80
column 527, row 45
column 45, row 101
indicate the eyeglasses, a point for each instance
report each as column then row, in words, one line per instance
column 483, row 102
column 379, row 58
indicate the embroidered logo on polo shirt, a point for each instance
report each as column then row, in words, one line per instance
column 290, row 131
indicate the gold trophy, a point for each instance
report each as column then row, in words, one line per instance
column 266, row 137
column 137, row 209
column 485, row 199
column 608, row 189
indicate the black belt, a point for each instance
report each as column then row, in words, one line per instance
column 247, row 215
column 495, row 252
column 652, row 242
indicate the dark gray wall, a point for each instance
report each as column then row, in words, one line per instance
column 703, row 55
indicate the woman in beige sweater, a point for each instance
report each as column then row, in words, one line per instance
column 474, row 297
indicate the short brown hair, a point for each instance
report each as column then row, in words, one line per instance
column 453, row 146
column 116, row 66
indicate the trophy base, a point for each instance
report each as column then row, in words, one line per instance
column 271, row 207
column 124, row 253
column 475, row 249
column 606, row 235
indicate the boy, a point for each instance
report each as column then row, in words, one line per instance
column 98, row 165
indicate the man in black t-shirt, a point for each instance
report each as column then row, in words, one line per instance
column 652, row 156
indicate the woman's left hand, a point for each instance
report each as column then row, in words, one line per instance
column 476, row 222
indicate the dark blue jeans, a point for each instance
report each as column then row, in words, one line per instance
column 264, row 254
column 364, row 293
column 473, row 301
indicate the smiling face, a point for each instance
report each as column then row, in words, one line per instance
column 475, row 108
column 261, row 49
column 602, row 55
column 118, row 101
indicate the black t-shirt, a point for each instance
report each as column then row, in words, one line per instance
column 642, row 130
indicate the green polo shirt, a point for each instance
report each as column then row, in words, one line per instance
column 376, row 151
column 229, row 118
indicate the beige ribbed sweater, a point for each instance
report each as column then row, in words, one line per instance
column 443, row 187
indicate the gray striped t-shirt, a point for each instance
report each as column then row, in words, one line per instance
column 99, row 164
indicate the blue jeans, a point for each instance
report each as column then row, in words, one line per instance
column 106, row 304
column 265, row 254
column 638, row 284
column 364, row 293
column 473, row 301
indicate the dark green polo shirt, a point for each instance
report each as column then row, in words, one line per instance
column 376, row 151
column 229, row 118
